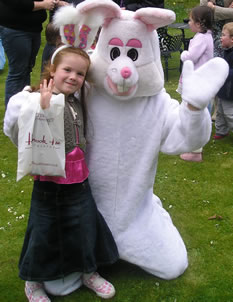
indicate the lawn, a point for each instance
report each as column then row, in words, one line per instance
column 198, row 197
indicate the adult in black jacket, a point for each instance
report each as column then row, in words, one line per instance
column 21, row 26
column 136, row 4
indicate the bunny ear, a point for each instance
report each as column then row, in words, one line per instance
column 79, row 25
column 69, row 34
column 76, row 28
column 76, row 36
column 66, row 19
column 83, row 36
column 155, row 17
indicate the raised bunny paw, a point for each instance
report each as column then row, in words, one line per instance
column 201, row 85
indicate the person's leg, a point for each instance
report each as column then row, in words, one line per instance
column 64, row 286
column 211, row 106
column 72, row 282
column 221, row 126
column 228, row 113
column 35, row 46
column 163, row 252
column 21, row 49
column 214, row 108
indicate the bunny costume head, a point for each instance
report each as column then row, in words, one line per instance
column 127, row 56
column 126, row 61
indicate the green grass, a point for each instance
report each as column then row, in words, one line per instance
column 191, row 193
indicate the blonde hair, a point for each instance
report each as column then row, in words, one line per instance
column 229, row 28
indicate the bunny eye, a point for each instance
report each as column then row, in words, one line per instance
column 114, row 53
column 132, row 54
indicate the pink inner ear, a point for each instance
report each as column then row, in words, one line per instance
column 83, row 35
column 69, row 33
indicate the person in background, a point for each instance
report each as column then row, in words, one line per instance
column 224, row 117
column 223, row 12
column 2, row 53
column 53, row 39
column 66, row 234
column 136, row 4
column 21, row 26
column 200, row 50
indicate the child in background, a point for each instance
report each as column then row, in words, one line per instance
column 53, row 39
column 223, row 13
column 224, row 117
column 66, row 234
column 200, row 50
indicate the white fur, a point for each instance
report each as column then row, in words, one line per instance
column 66, row 15
column 198, row 88
column 131, row 119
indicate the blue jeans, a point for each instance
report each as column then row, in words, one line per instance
column 21, row 49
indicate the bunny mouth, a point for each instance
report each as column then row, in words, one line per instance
column 120, row 90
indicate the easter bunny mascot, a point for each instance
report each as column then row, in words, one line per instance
column 131, row 119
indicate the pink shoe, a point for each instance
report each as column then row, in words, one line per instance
column 192, row 156
column 219, row 136
column 35, row 292
column 99, row 285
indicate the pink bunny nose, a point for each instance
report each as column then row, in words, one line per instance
column 126, row 72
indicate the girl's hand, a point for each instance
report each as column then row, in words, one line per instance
column 46, row 92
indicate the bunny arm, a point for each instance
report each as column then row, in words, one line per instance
column 201, row 85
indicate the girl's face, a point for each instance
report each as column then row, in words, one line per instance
column 195, row 27
column 226, row 39
column 70, row 74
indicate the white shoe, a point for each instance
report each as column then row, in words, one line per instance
column 35, row 292
column 99, row 285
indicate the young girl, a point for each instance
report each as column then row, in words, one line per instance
column 200, row 50
column 66, row 235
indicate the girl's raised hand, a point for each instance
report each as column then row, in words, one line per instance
column 46, row 91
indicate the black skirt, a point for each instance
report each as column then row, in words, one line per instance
column 66, row 233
